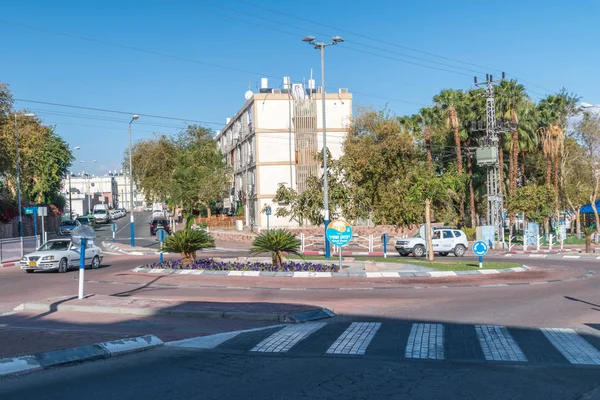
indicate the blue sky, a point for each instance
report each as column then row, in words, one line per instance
column 219, row 48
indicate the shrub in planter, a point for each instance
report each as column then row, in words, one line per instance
column 276, row 242
column 188, row 242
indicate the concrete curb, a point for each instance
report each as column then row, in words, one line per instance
column 35, row 362
column 343, row 274
column 304, row 316
column 111, row 246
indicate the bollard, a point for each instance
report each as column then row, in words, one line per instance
column 81, row 266
column 550, row 242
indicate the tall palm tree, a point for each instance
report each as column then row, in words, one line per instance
column 429, row 117
column 553, row 111
column 510, row 97
column 449, row 102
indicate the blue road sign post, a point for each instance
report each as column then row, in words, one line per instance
column 480, row 248
column 384, row 239
column 339, row 233
column 80, row 237
column 113, row 228
column 268, row 213
column 161, row 239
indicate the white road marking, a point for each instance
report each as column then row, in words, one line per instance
column 572, row 346
column 538, row 255
column 212, row 341
column 283, row 340
column 355, row 339
column 498, row 344
column 426, row 341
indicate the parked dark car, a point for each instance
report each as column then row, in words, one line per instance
column 86, row 221
column 158, row 223
column 66, row 227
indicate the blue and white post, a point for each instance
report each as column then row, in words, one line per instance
column 161, row 238
column 113, row 228
column 385, row 239
column 81, row 265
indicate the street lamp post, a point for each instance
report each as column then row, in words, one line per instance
column 70, row 201
column 89, row 189
column 20, row 222
column 321, row 46
column 132, row 223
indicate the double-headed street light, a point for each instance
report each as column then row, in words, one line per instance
column 321, row 46
column 19, row 172
column 132, row 223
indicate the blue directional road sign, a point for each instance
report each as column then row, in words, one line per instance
column 480, row 248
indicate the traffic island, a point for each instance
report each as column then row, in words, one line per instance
column 149, row 307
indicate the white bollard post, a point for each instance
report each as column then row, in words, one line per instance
column 539, row 241
column 302, row 242
column 525, row 241
column 550, row 242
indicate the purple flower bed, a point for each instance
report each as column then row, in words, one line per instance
column 215, row 265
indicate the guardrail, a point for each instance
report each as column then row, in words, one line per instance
column 358, row 243
column 14, row 249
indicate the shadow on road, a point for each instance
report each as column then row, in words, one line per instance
column 583, row 301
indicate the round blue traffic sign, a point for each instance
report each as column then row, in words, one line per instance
column 480, row 248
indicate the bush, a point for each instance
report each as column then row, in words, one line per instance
column 276, row 242
column 240, row 211
column 470, row 232
column 187, row 242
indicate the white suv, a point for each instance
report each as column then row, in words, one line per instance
column 445, row 241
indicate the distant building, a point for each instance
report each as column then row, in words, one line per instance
column 111, row 189
column 273, row 138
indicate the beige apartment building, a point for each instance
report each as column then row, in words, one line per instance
column 273, row 138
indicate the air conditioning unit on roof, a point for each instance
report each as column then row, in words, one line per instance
column 277, row 91
column 343, row 90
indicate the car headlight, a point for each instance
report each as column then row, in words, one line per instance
column 24, row 259
column 47, row 258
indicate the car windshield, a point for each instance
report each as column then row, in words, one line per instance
column 67, row 223
column 84, row 221
column 100, row 212
column 55, row 245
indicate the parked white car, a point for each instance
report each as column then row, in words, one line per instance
column 60, row 255
column 445, row 241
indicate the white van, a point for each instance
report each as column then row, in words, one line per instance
column 101, row 214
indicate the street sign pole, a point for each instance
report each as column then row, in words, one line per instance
column 161, row 238
column 480, row 261
column 384, row 245
column 113, row 228
column 81, row 265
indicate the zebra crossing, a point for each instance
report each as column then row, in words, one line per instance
column 412, row 341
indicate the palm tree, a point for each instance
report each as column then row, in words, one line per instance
column 449, row 101
column 188, row 242
column 429, row 117
column 276, row 242
column 510, row 97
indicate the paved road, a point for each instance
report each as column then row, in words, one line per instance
column 166, row 373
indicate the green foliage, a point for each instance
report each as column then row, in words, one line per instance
column 470, row 232
column 537, row 202
column 240, row 212
column 276, row 242
column 187, row 242
column 187, row 170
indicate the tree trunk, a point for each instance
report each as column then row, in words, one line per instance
column 188, row 258
column 428, row 229
column 471, row 191
column 459, row 162
column 513, row 161
column 548, row 170
column 578, row 223
column 276, row 258
column 207, row 206
column 522, row 169
column 428, row 147
column 556, row 176
column 588, row 243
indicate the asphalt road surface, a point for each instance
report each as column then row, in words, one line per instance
column 166, row 373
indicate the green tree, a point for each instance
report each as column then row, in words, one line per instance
column 188, row 242
column 429, row 117
column 588, row 134
column 537, row 202
column 277, row 242
column 450, row 101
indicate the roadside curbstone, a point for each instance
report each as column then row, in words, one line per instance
column 49, row 359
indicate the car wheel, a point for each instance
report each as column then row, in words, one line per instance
column 459, row 250
column 95, row 262
column 63, row 266
column 418, row 251
column 29, row 271
column 404, row 254
column 443, row 253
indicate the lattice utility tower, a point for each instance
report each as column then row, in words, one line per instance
column 487, row 155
